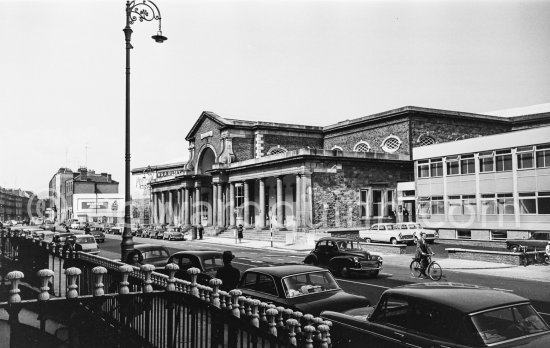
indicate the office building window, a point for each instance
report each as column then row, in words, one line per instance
column 469, row 204
column 463, row 234
column 467, row 165
column 453, row 167
column 363, row 196
column 525, row 157
column 389, row 202
column 505, row 204
column 455, row 205
column 499, row 235
column 543, row 203
column 362, row 146
column 486, row 162
column 527, row 202
column 423, row 169
column 488, row 204
column 436, row 167
column 424, row 206
column 437, row 205
column 543, row 156
column 503, row 160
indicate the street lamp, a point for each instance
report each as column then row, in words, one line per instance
column 144, row 10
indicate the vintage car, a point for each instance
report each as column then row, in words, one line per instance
column 416, row 229
column 173, row 233
column 538, row 240
column 208, row 261
column 98, row 235
column 344, row 256
column 442, row 315
column 304, row 288
column 156, row 255
column 88, row 243
column 386, row 232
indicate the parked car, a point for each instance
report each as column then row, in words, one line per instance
column 153, row 254
column 74, row 224
column 386, row 232
column 308, row 289
column 118, row 229
column 87, row 243
column 208, row 261
column 538, row 240
column 98, row 234
column 344, row 256
column 416, row 229
column 442, row 315
column 173, row 233
column 146, row 232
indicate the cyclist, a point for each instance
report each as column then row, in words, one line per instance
column 547, row 251
column 422, row 253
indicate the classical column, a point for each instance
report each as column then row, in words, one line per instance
column 246, row 208
column 187, row 208
column 177, row 216
column 170, row 207
column 162, row 208
column 214, row 205
column 279, row 203
column 261, row 217
column 197, row 204
column 307, row 195
column 298, row 209
column 153, row 217
column 232, row 205
column 182, row 206
column 227, row 211
column 220, row 206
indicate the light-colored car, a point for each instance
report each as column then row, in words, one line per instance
column 416, row 229
column 74, row 224
column 88, row 243
column 173, row 233
column 387, row 233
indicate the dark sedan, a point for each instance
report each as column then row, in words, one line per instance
column 208, row 261
column 449, row 315
column 156, row 255
column 304, row 288
column 344, row 256
column 538, row 241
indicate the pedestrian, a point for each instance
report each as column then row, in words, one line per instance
column 87, row 229
column 240, row 233
column 69, row 251
column 228, row 274
column 134, row 258
column 405, row 215
column 67, row 229
column 201, row 230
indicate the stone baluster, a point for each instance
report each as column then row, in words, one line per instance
column 292, row 324
column 147, row 283
column 44, row 275
column 235, row 294
column 298, row 316
column 193, row 272
column 241, row 302
column 308, row 319
column 123, row 288
column 287, row 314
column 323, row 329
column 207, row 294
column 223, row 297
column 98, row 272
column 280, row 320
column 186, row 287
column 263, row 308
column 248, row 307
column 254, row 316
column 201, row 292
column 328, row 323
column 72, row 273
column 271, row 316
column 316, row 322
column 15, row 277
column 308, row 332
column 215, row 284
column 172, row 268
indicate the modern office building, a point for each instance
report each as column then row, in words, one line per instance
column 487, row 188
column 296, row 177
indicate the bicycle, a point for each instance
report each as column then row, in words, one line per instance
column 535, row 258
column 434, row 270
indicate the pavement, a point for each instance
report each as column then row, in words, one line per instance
column 531, row 272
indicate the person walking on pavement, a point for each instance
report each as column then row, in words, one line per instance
column 200, row 230
column 228, row 274
column 240, row 233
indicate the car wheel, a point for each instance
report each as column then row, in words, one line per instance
column 374, row 274
column 311, row 261
column 393, row 241
column 344, row 271
column 368, row 240
column 514, row 248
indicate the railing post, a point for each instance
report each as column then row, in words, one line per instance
column 298, row 316
column 147, row 283
column 224, row 299
column 292, row 324
column 171, row 281
column 44, row 275
column 98, row 272
column 308, row 331
column 193, row 272
column 72, row 273
column 15, row 277
column 123, row 288
column 280, row 323
column 242, row 299
column 263, row 308
column 328, row 323
column 215, row 284
column 323, row 330
column 271, row 315
column 255, row 316
column 15, row 334
column 247, row 302
column 235, row 302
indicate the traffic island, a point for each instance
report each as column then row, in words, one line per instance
column 384, row 248
column 510, row 258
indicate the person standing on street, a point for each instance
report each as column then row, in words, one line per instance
column 228, row 274
column 69, row 251
column 240, row 233
column 200, row 230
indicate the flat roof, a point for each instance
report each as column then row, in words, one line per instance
column 531, row 136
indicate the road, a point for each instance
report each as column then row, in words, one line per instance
column 393, row 274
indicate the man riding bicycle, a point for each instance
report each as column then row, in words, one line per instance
column 423, row 251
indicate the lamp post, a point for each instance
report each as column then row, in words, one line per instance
column 144, row 10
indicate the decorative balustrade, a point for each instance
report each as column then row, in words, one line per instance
column 139, row 289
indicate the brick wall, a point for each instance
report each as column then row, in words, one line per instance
column 373, row 134
column 206, row 126
column 336, row 195
column 243, row 148
column 291, row 142
column 487, row 256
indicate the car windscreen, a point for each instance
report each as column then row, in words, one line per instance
column 155, row 253
column 85, row 239
column 212, row 264
column 349, row 245
column 508, row 323
column 308, row 283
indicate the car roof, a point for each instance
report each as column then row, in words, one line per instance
column 285, row 270
column 464, row 297
column 201, row 253
column 338, row 239
column 147, row 247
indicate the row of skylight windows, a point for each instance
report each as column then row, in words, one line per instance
column 391, row 144
column 528, row 157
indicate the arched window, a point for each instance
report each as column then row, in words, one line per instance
column 336, row 147
column 276, row 150
column 362, row 146
column 391, row 144
column 425, row 140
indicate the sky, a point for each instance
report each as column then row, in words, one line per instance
column 312, row 62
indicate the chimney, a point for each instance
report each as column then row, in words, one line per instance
column 83, row 173
column 109, row 177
